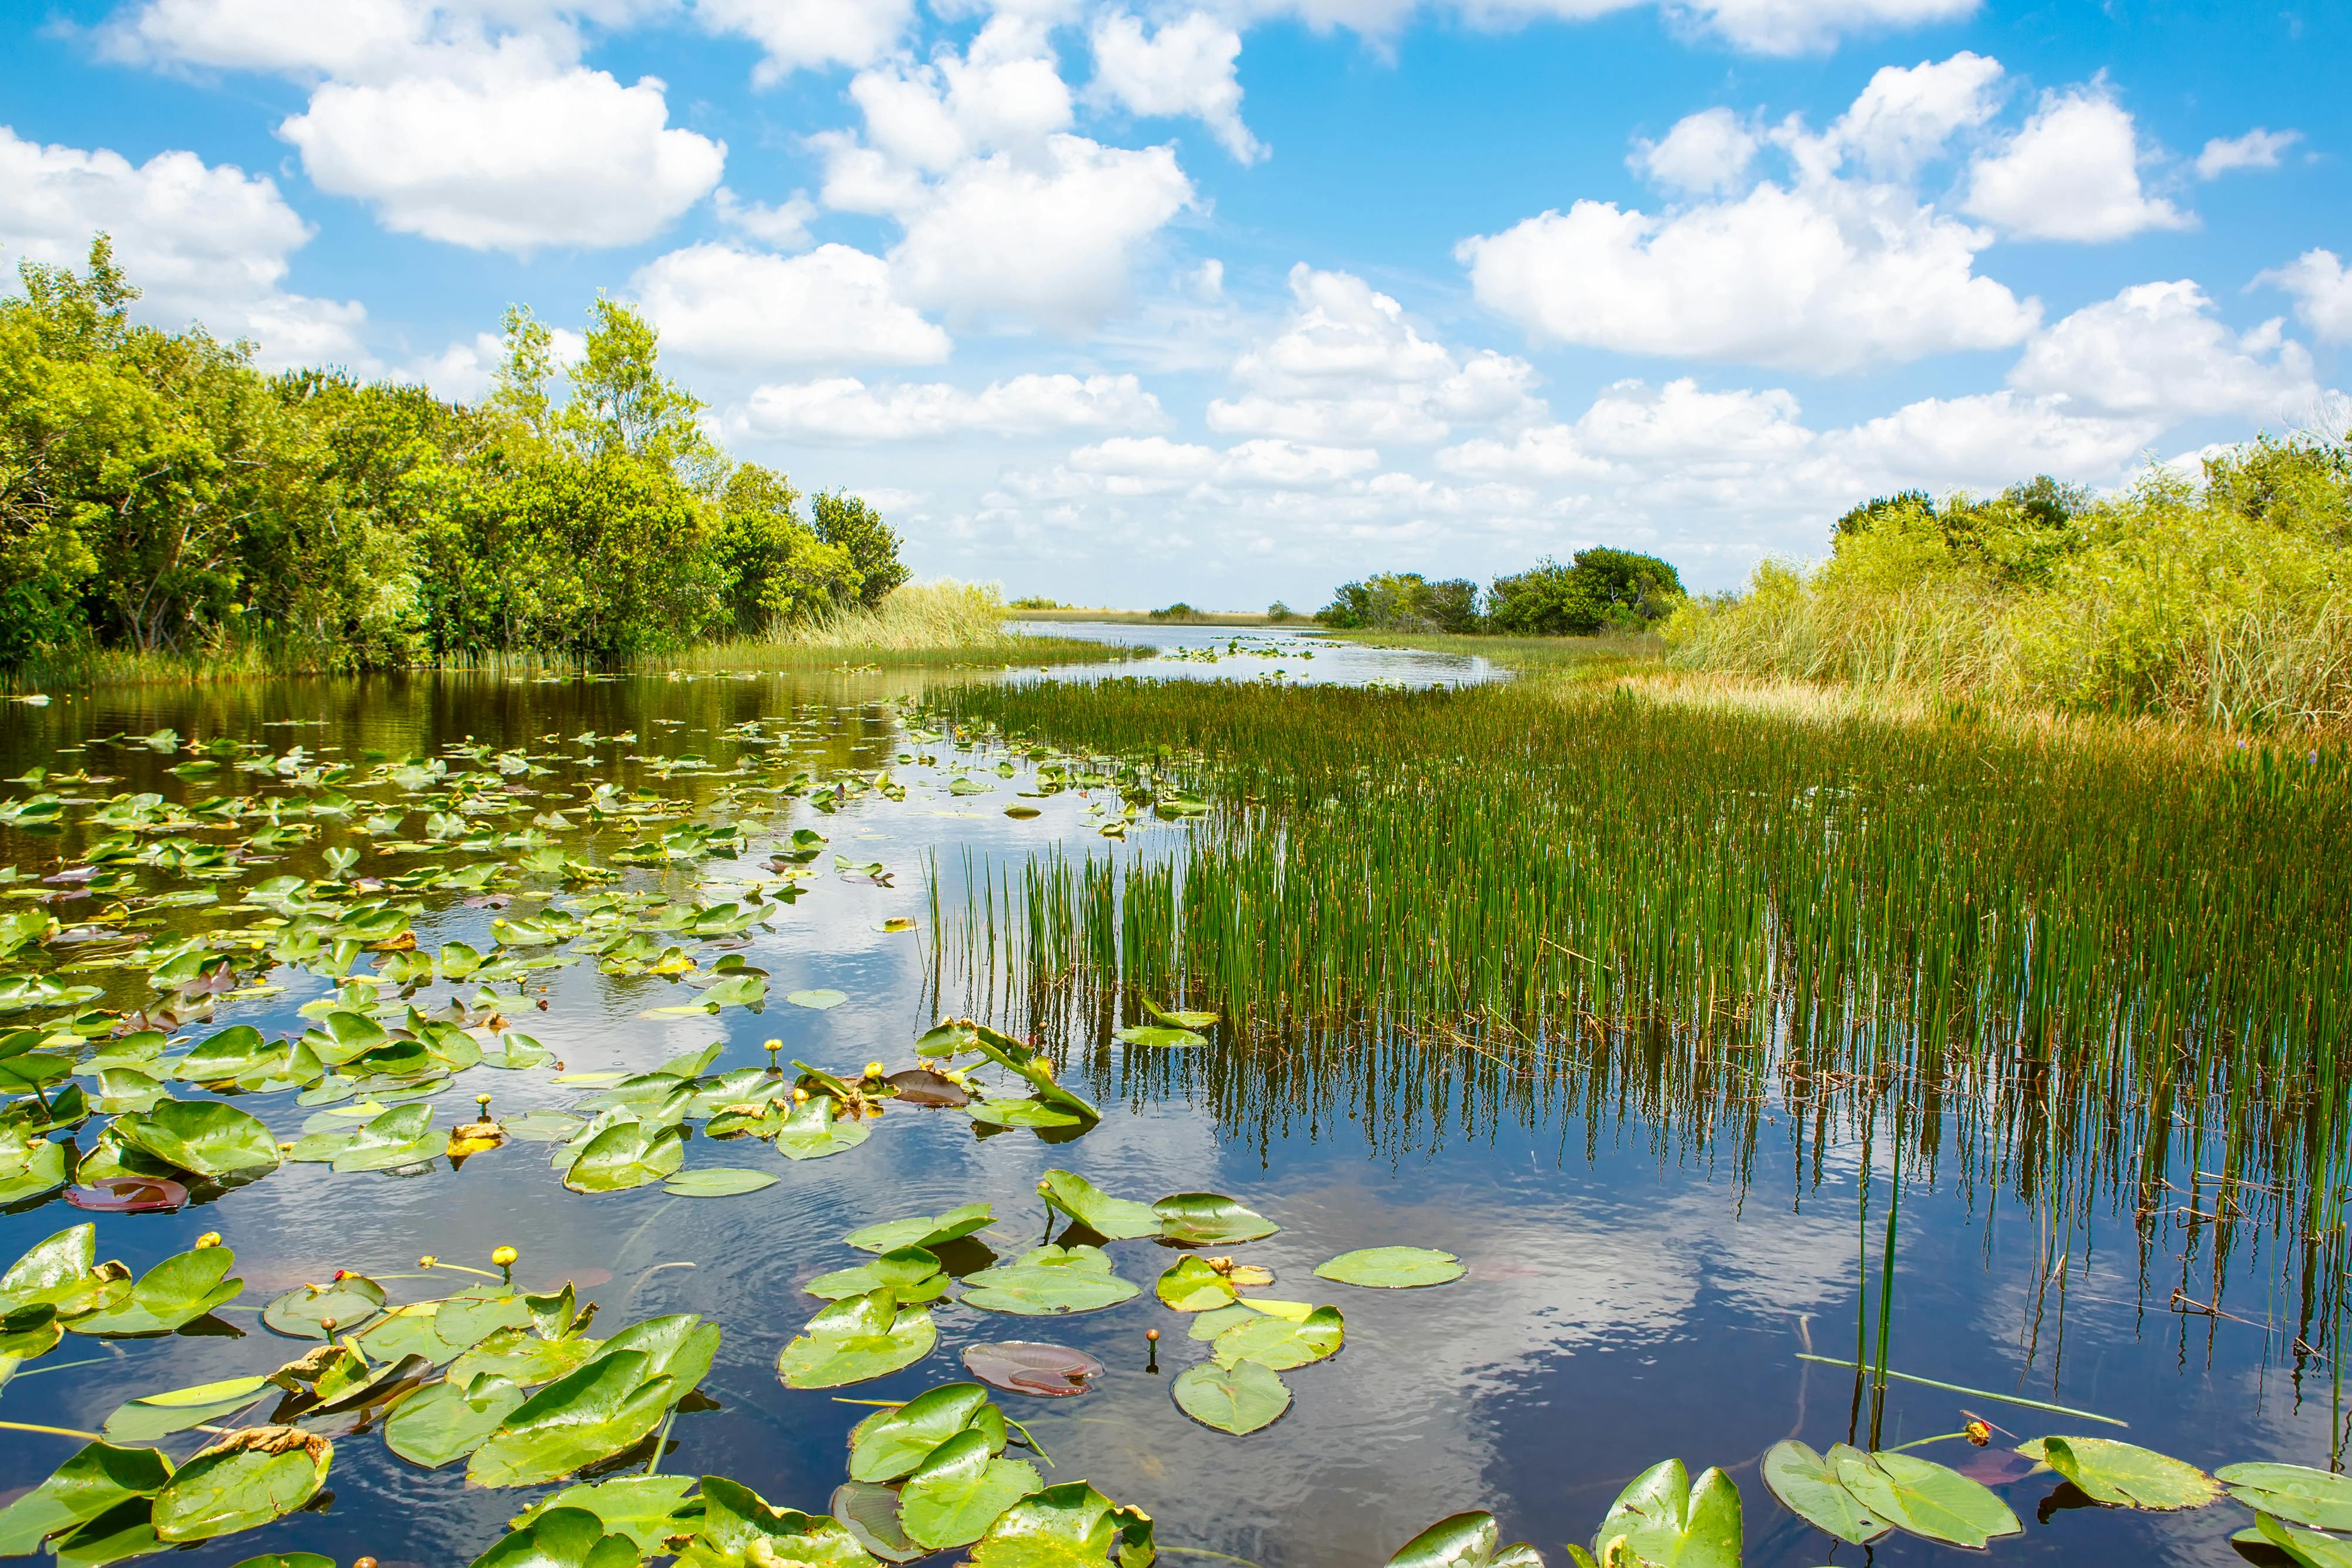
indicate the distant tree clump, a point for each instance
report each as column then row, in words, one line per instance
column 159, row 492
column 1037, row 601
column 1597, row 589
column 1403, row 601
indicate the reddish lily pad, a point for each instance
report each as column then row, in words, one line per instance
column 129, row 1195
column 1027, row 1366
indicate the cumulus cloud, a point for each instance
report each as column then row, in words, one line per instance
column 1758, row 27
column 2158, row 349
column 508, row 149
column 2073, row 173
column 843, row 409
column 1186, row 67
column 834, row 305
column 2322, row 287
column 798, row 34
column 1990, row 439
column 784, row 226
column 292, row 37
column 1632, row 427
column 1151, row 464
column 206, row 242
column 1348, row 366
column 1907, row 115
column 2257, row 149
column 1704, row 153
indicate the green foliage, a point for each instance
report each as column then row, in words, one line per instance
column 1600, row 588
column 2221, row 597
column 160, row 493
column 1403, row 601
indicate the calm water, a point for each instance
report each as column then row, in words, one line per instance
column 1644, row 1270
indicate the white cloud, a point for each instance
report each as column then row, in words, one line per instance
column 507, row 151
column 798, row 34
column 2322, row 286
column 846, row 410
column 294, row 37
column 205, row 242
column 1154, row 463
column 835, row 306
column 782, row 227
column 1187, row 67
column 1829, row 276
column 1988, row 440
column 1760, row 27
column 465, row 372
column 2158, row 349
column 1907, row 115
column 1704, row 153
column 2257, row 149
column 2072, row 174
column 1349, row 366
column 1632, row 427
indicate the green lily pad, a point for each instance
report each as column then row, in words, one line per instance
column 911, row 1274
column 2320, row 1499
column 821, row 1000
column 1925, row 1498
column 2123, row 1475
column 1158, row 1037
column 1208, row 1326
column 1237, row 1398
column 888, row 1444
column 851, row 1341
column 1210, row 1219
column 1021, row 1113
column 97, row 1479
column 2307, row 1547
column 1807, row 1484
column 238, row 1053
column 1465, row 1540
column 1066, row 1526
column 1049, row 1279
column 42, row 1170
column 718, row 1181
column 242, row 1482
column 648, row 1509
column 201, row 1136
column 741, row 1530
column 1393, row 1268
column 1193, row 1286
column 870, row 1513
column 543, row 1127
column 600, row 1409
column 524, row 1357
column 1280, row 1342
column 1116, row 1218
column 626, row 1154
column 925, row 1230
column 561, row 1537
column 1030, row 1064
column 449, row 1420
column 811, row 1131
column 958, row 1491
column 1177, row 1018
column 306, row 1311
column 1662, row 1517
column 154, row 1415
column 61, row 1273
column 682, row 1346
column 401, row 1136
column 172, row 1294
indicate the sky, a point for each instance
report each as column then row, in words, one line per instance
column 1123, row 302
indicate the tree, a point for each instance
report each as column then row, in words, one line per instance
column 846, row 521
column 1403, row 601
column 1599, row 588
column 774, row 567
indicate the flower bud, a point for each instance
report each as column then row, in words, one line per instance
column 505, row 1257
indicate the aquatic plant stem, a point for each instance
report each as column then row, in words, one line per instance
column 1980, row 1392
column 53, row 1431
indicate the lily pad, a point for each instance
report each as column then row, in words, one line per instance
column 870, row 1513
column 2307, row 1547
column 960, row 1489
column 718, row 1181
column 154, row 1415
column 561, row 1537
column 851, row 1341
column 172, row 1294
column 1465, row 1540
column 2123, row 1475
column 995, row 1113
column 812, row 1130
column 449, row 1420
column 338, row 1307
column 1027, row 1366
column 1048, row 1280
column 626, row 1154
column 821, row 1000
column 1281, row 1343
column 648, row 1509
column 1158, row 1037
column 1066, row 1526
column 741, row 1530
column 62, row 1273
column 1807, row 1484
column 1925, row 1498
column 1178, row 1018
column 242, row 1482
column 929, row 1230
column 1116, row 1218
column 99, row 1476
column 911, row 1274
column 43, row 1170
column 1393, row 1268
column 2320, row 1499
column 888, row 1444
column 201, row 1136
column 1239, row 1398
column 1193, row 1286
column 600, row 1409
column 122, row 1195
column 1210, row 1219
column 1662, row 1517
column 526, row 1358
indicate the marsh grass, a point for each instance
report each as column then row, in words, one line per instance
column 2110, row 964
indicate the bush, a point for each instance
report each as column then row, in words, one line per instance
column 1403, row 601
column 1599, row 590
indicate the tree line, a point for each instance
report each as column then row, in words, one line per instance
column 159, row 492
column 1599, row 590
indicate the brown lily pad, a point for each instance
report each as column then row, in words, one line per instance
column 1025, row 1367
column 921, row 1086
column 129, row 1195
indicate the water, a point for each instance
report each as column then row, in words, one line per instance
column 1244, row 654
column 1648, row 1260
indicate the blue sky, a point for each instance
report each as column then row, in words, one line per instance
column 1124, row 301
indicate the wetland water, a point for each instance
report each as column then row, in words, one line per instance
column 1651, row 1242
